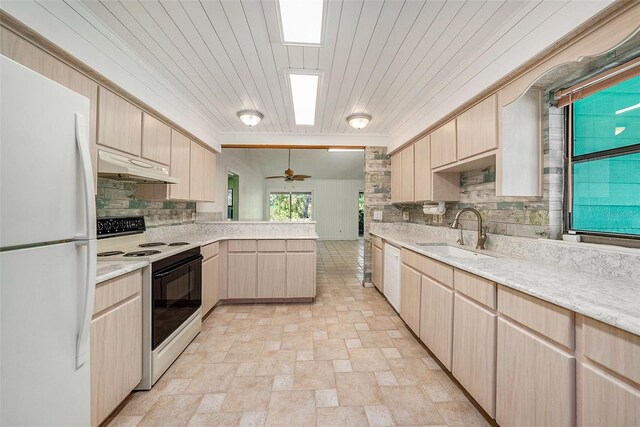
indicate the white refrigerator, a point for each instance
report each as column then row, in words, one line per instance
column 47, row 251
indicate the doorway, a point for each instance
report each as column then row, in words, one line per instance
column 233, row 193
column 361, row 214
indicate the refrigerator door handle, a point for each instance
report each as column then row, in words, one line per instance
column 86, row 310
column 87, row 172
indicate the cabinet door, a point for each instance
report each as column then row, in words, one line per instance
column 535, row 381
column 410, row 297
column 116, row 357
column 396, row 178
column 407, row 175
column 443, row 145
column 242, row 274
column 607, row 400
column 422, row 170
column 119, row 123
column 272, row 271
column 474, row 351
column 210, row 273
column 377, row 261
column 196, row 172
column 180, row 165
column 301, row 274
column 156, row 140
column 436, row 319
column 209, row 176
column 478, row 128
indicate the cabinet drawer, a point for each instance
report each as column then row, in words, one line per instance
column 377, row 241
column 272, row 245
column 301, row 245
column 210, row 250
column 243, row 245
column 432, row 268
column 477, row 288
column 554, row 322
column 614, row 348
column 113, row 291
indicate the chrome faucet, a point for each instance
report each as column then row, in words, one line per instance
column 482, row 237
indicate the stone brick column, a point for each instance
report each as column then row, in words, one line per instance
column 377, row 196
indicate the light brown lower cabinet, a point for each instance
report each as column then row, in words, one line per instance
column 436, row 319
column 376, row 267
column 474, row 351
column 535, row 381
column 410, row 297
column 301, row 274
column 210, row 283
column 272, row 274
column 606, row 400
column 116, row 343
column 242, row 274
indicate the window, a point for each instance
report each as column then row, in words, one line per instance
column 604, row 161
column 290, row 206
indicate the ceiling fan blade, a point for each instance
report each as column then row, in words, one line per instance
column 297, row 178
column 275, row 177
column 302, row 176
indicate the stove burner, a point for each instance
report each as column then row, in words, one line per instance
column 151, row 244
column 141, row 253
column 110, row 253
column 178, row 243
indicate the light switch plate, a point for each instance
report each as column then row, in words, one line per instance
column 377, row 215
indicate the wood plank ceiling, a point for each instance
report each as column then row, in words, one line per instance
column 393, row 59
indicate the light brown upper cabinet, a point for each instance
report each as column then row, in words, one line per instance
column 422, row 169
column 180, row 165
column 209, row 176
column 396, row 178
column 197, row 172
column 407, row 175
column 156, row 140
column 477, row 128
column 119, row 123
column 443, row 145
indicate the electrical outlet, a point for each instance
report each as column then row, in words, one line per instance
column 439, row 218
column 405, row 215
column 184, row 216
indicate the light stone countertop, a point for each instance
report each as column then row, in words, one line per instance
column 107, row 270
column 205, row 240
column 614, row 301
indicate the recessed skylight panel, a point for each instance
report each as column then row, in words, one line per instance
column 301, row 21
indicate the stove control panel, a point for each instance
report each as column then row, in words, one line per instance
column 119, row 226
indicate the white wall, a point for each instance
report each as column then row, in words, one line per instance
column 252, row 188
column 334, row 204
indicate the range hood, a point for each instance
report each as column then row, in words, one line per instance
column 117, row 166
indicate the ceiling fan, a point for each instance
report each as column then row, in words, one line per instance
column 289, row 175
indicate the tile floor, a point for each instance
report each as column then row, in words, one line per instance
column 344, row 360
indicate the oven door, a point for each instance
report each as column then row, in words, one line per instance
column 177, row 294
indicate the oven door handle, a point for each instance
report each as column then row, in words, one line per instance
column 179, row 266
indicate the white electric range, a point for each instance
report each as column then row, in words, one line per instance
column 171, row 290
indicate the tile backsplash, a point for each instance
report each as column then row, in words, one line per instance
column 118, row 198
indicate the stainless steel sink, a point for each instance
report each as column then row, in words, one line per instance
column 453, row 251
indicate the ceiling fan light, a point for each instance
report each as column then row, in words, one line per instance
column 250, row 117
column 358, row 121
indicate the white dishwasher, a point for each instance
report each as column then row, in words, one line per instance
column 392, row 275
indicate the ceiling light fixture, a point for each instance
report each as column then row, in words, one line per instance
column 358, row 121
column 250, row 117
column 304, row 91
column 301, row 21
